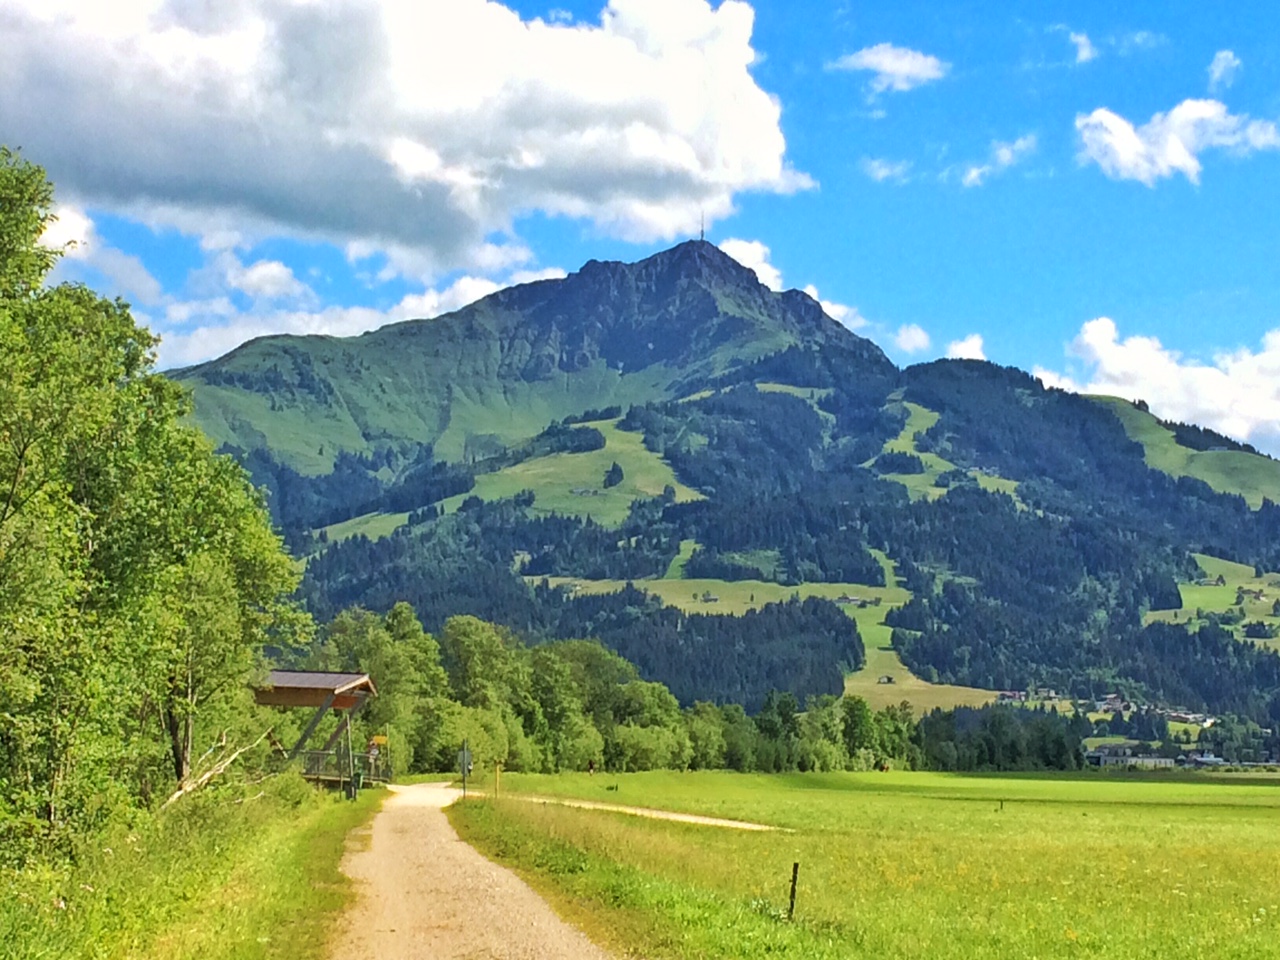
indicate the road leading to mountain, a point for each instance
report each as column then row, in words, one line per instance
column 424, row 893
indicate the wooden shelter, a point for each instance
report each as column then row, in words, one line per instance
column 344, row 693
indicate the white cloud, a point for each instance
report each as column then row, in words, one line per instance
column 1223, row 70
column 912, row 338
column 1003, row 156
column 1085, row 50
column 843, row 314
column 881, row 170
column 1238, row 394
column 69, row 232
column 754, row 255
column 429, row 128
column 1170, row 142
column 967, row 348
column 266, row 280
column 895, row 68
column 1138, row 40
column 83, row 249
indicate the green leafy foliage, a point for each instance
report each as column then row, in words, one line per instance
column 139, row 575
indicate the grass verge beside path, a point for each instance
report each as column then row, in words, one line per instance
column 211, row 879
column 904, row 865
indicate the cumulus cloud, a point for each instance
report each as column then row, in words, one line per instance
column 1170, row 142
column 1237, row 394
column 1085, row 50
column 894, row 68
column 266, row 280
column 1223, row 70
column 1003, row 156
column 967, row 348
column 423, row 128
column 85, row 255
column 881, row 170
column 842, row 313
column 912, row 338
column 755, row 256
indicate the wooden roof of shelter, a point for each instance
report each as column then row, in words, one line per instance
column 312, row 688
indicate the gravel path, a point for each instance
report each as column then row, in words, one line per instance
column 423, row 893
column 650, row 813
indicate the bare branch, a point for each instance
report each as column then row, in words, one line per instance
column 190, row 785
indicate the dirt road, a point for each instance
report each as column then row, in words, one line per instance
column 423, row 893
column 651, row 814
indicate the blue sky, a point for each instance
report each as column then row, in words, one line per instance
column 1085, row 190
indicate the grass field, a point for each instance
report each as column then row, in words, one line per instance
column 554, row 479
column 883, row 660
column 1212, row 598
column 904, row 865
column 676, row 570
column 375, row 526
column 1227, row 471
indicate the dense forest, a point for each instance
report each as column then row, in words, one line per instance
column 1049, row 589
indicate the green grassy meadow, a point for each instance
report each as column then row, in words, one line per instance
column 554, row 479
column 904, row 865
column 216, row 878
column 1214, row 598
column 1226, row 471
column 375, row 526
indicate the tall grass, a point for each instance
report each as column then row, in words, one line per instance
column 224, row 875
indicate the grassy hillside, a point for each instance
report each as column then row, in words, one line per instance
column 1226, row 471
column 504, row 367
column 903, row 866
column 1259, row 595
column 924, row 485
column 572, row 484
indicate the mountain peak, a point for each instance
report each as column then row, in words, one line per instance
column 506, row 365
column 697, row 260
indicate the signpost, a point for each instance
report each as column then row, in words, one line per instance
column 464, row 766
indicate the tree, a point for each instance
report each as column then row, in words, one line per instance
column 139, row 575
column 859, row 726
column 613, row 476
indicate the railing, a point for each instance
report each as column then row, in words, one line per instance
column 334, row 766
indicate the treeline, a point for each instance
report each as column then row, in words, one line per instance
column 577, row 705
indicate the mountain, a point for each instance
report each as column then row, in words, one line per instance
column 739, row 495
column 504, row 367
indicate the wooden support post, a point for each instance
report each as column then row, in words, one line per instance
column 336, row 736
column 311, row 727
column 352, row 789
column 795, row 874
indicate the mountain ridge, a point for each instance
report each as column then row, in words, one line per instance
column 513, row 361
